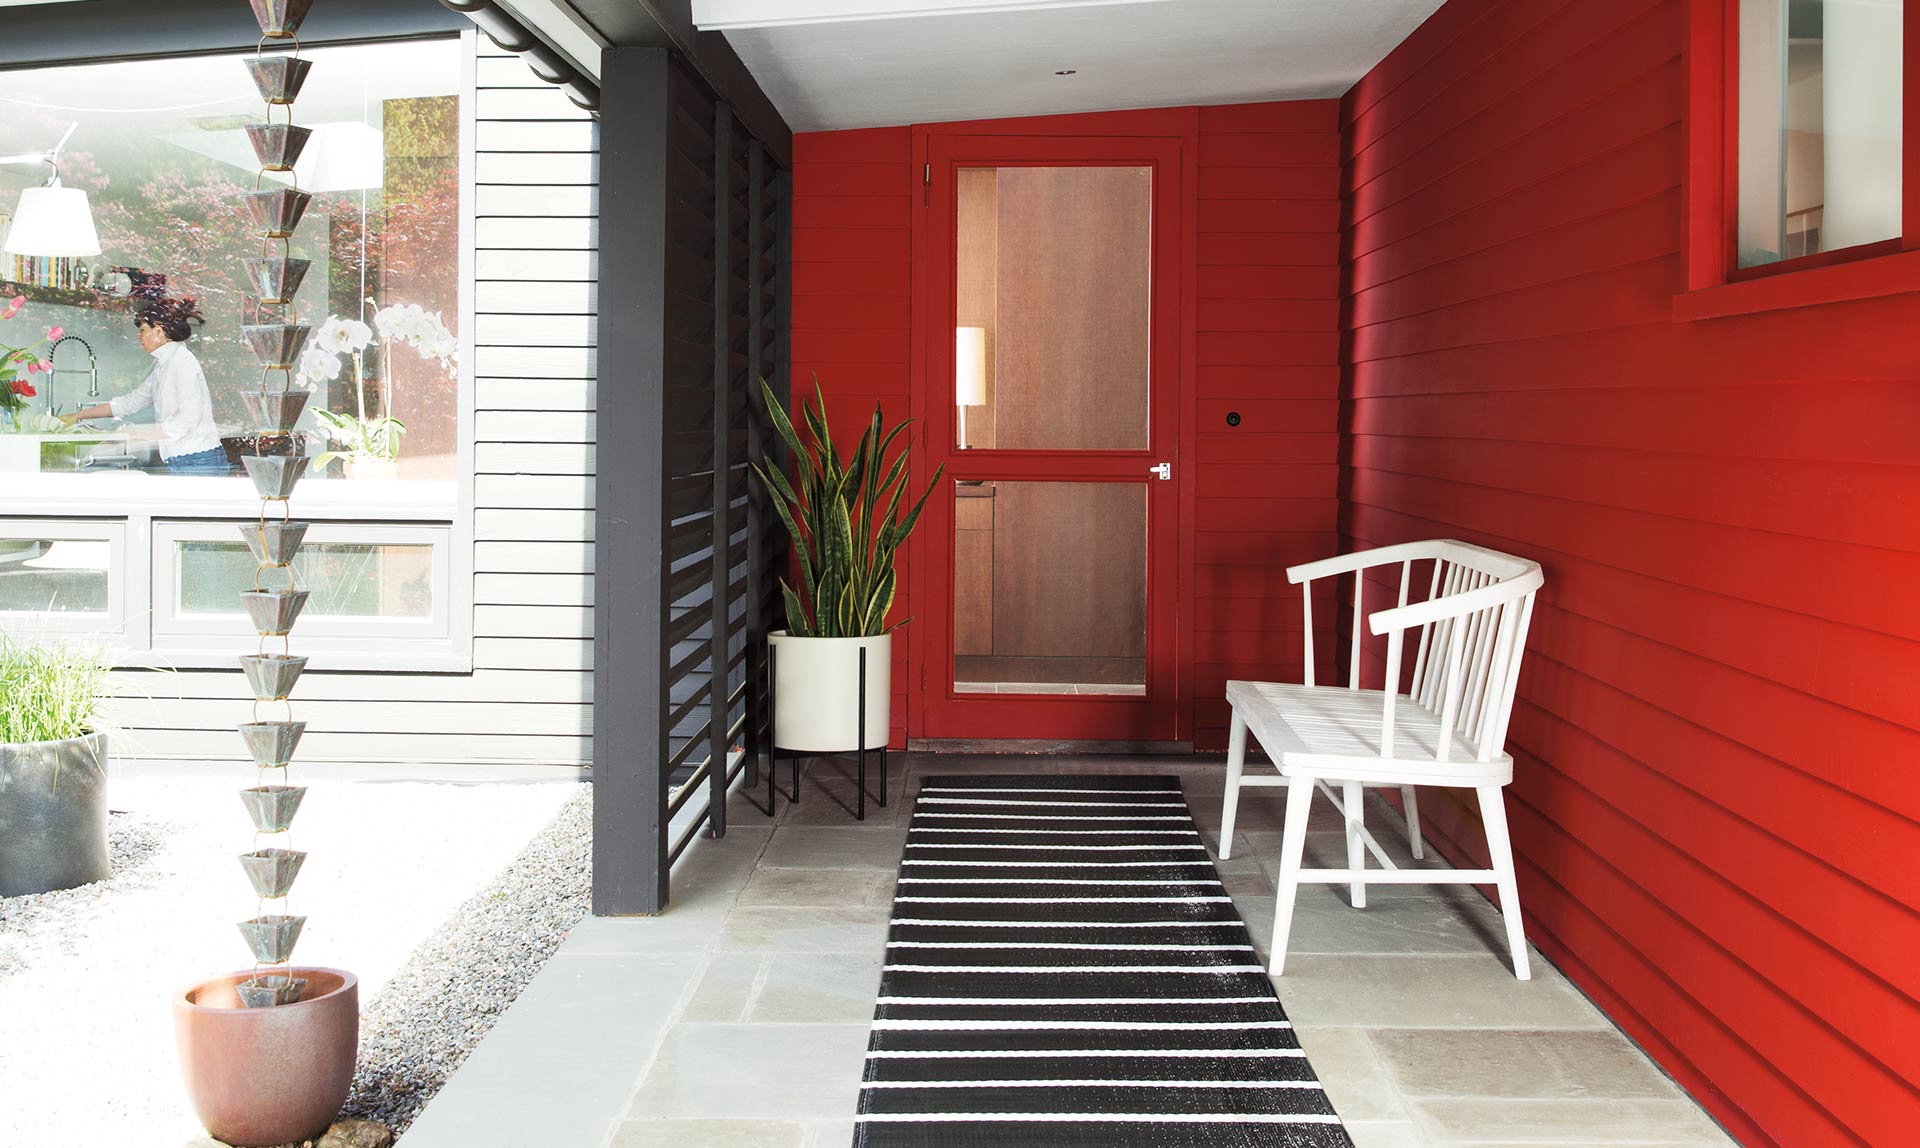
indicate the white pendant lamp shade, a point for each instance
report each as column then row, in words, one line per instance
column 970, row 366
column 53, row 222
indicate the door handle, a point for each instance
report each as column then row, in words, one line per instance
column 1163, row 470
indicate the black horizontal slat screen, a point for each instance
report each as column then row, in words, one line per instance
column 712, row 303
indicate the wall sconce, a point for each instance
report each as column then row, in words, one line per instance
column 969, row 373
column 53, row 221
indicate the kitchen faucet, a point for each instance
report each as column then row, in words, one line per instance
column 93, row 370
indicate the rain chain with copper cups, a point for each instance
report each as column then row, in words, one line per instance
column 277, row 338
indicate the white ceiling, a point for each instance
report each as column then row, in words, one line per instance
column 831, row 64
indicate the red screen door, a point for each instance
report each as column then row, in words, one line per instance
column 1052, row 295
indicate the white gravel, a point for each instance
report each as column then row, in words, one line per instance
column 43, row 921
column 455, row 986
column 86, row 976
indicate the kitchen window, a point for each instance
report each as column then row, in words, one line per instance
column 160, row 147
column 98, row 541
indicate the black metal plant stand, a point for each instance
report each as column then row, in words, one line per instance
column 773, row 750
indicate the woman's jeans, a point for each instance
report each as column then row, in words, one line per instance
column 200, row 462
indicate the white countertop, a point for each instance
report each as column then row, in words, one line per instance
column 116, row 494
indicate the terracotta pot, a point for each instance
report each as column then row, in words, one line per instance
column 262, row 1076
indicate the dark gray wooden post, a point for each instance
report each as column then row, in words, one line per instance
column 629, row 650
column 758, row 506
column 719, row 689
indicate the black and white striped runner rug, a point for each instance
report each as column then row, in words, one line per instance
column 1065, row 970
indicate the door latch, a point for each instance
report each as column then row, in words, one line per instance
column 1164, row 470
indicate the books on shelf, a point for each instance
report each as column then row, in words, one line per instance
column 58, row 273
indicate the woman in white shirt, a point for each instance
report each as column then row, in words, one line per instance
column 176, row 389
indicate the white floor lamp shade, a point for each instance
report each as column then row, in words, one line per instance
column 53, row 222
column 970, row 366
column 969, row 373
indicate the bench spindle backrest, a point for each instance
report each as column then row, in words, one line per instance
column 1472, row 627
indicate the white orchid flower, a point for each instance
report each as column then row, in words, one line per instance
column 333, row 337
column 316, row 364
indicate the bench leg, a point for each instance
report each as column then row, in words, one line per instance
column 1293, row 848
column 1354, row 797
column 1493, row 814
column 1410, row 801
column 1236, row 763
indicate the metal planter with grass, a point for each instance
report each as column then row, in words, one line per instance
column 53, row 814
column 53, row 767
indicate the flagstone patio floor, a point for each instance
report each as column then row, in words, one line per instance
column 738, row 1018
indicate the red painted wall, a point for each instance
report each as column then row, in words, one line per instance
column 852, row 295
column 1716, row 795
column 1268, row 346
column 1264, row 341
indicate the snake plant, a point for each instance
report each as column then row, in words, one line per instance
column 844, row 522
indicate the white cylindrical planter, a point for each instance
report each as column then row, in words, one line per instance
column 816, row 698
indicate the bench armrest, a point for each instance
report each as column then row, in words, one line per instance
column 1473, row 601
column 1359, row 560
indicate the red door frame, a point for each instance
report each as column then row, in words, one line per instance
column 1169, row 139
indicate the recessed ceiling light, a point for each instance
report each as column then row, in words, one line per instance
column 1065, row 72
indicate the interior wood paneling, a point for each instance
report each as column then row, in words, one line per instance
column 1070, row 570
column 1072, row 308
column 976, row 290
column 973, row 570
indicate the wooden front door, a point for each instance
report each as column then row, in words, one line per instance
column 1051, row 396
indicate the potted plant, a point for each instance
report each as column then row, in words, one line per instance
column 18, row 365
column 53, row 768
column 846, row 531
column 36, row 440
column 368, row 445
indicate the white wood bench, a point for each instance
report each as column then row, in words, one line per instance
column 1446, row 727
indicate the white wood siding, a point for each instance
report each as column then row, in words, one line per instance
column 533, row 206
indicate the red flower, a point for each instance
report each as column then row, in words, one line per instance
column 23, row 388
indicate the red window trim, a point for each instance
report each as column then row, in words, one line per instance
column 1715, row 286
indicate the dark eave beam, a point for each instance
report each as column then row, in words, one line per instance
column 669, row 24
column 42, row 35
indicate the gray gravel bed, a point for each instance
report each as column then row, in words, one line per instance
column 132, row 840
column 454, row 987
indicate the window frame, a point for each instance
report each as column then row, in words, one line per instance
column 110, row 626
column 1716, row 286
column 214, row 635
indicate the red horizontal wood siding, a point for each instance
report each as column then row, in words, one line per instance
column 1714, row 803
column 1268, row 349
column 853, row 297
column 1265, row 338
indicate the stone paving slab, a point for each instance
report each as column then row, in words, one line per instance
column 739, row 1018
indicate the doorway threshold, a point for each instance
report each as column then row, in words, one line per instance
column 1044, row 746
